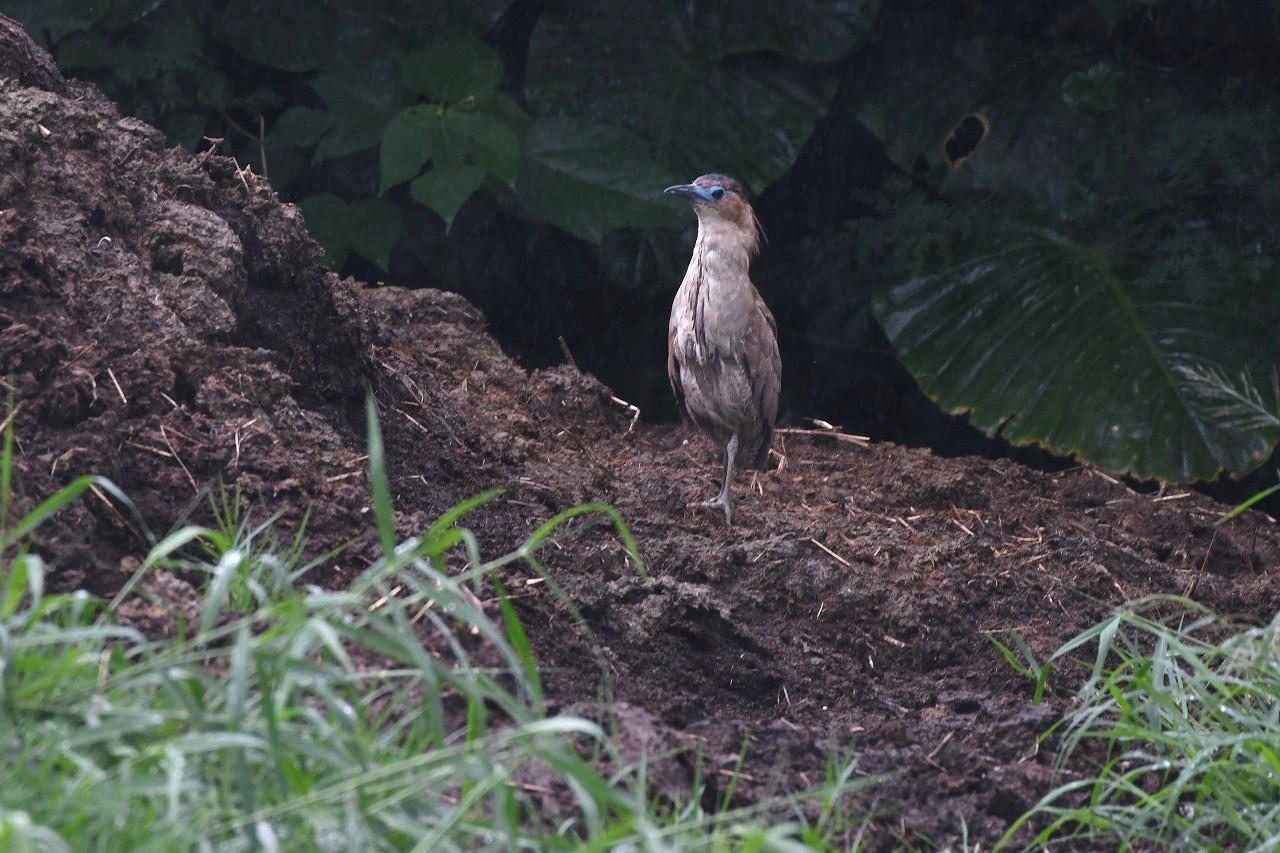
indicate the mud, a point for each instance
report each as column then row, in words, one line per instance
column 163, row 323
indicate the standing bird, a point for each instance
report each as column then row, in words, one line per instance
column 722, row 343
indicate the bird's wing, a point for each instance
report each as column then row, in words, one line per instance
column 673, row 374
column 764, row 361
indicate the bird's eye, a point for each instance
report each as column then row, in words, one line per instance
column 717, row 193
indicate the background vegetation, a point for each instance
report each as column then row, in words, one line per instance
column 1063, row 216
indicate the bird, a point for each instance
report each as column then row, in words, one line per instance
column 722, row 341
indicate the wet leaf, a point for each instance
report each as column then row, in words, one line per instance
column 687, row 81
column 301, row 126
column 363, row 101
column 445, row 188
column 590, row 178
column 451, row 72
column 1050, row 341
column 425, row 133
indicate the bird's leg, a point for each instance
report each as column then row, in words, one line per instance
column 725, row 498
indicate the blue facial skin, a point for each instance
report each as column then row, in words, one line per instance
column 711, row 195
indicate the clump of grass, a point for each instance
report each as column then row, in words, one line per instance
column 392, row 715
column 1185, row 712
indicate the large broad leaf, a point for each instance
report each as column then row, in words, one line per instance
column 451, row 72
column 362, row 100
column 1053, row 342
column 971, row 111
column 465, row 130
column 1158, row 178
column 690, row 79
column 590, row 178
column 446, row 136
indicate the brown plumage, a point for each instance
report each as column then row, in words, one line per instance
column 722, row 342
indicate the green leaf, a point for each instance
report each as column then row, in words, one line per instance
column 590, row 178
column 688, row 80
column 445, row 188
column 383, row 511
column 425, row 133
column 301, row 126
column 491, row 143
column 452, row 72
column 363, row 101
column 502, row 106
column 406, row 145
column 1051, row 341
column 1013, row 86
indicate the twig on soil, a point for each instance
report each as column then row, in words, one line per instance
column 238, row 441
column 117, row 383
column 383, row 600
column 414, row 390
column 414, row 421
column 157, row 451
column 214, row 142
column 632, row 409
column 174, row 451
column 1195, row 581
column 586, row 450
column 8, row 421
column 828, row 430
column 1106, row 477
column 833, row 554
column 900, row 520
column 111, row 507
column 938, row 748
column 240, row 173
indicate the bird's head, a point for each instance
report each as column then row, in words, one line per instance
column 719, row 201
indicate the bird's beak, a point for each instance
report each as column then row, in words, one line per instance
column 687, row 190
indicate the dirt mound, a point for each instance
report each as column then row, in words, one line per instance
column 165, row 325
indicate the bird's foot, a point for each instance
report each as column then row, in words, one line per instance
column 722, row 501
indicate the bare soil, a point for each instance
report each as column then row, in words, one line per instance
column 163, row 323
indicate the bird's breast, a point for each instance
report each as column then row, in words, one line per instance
column 711, row 316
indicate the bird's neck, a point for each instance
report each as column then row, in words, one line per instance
column 723, row 254
column 717, row 293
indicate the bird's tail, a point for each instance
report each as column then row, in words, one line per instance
column 753, row 450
